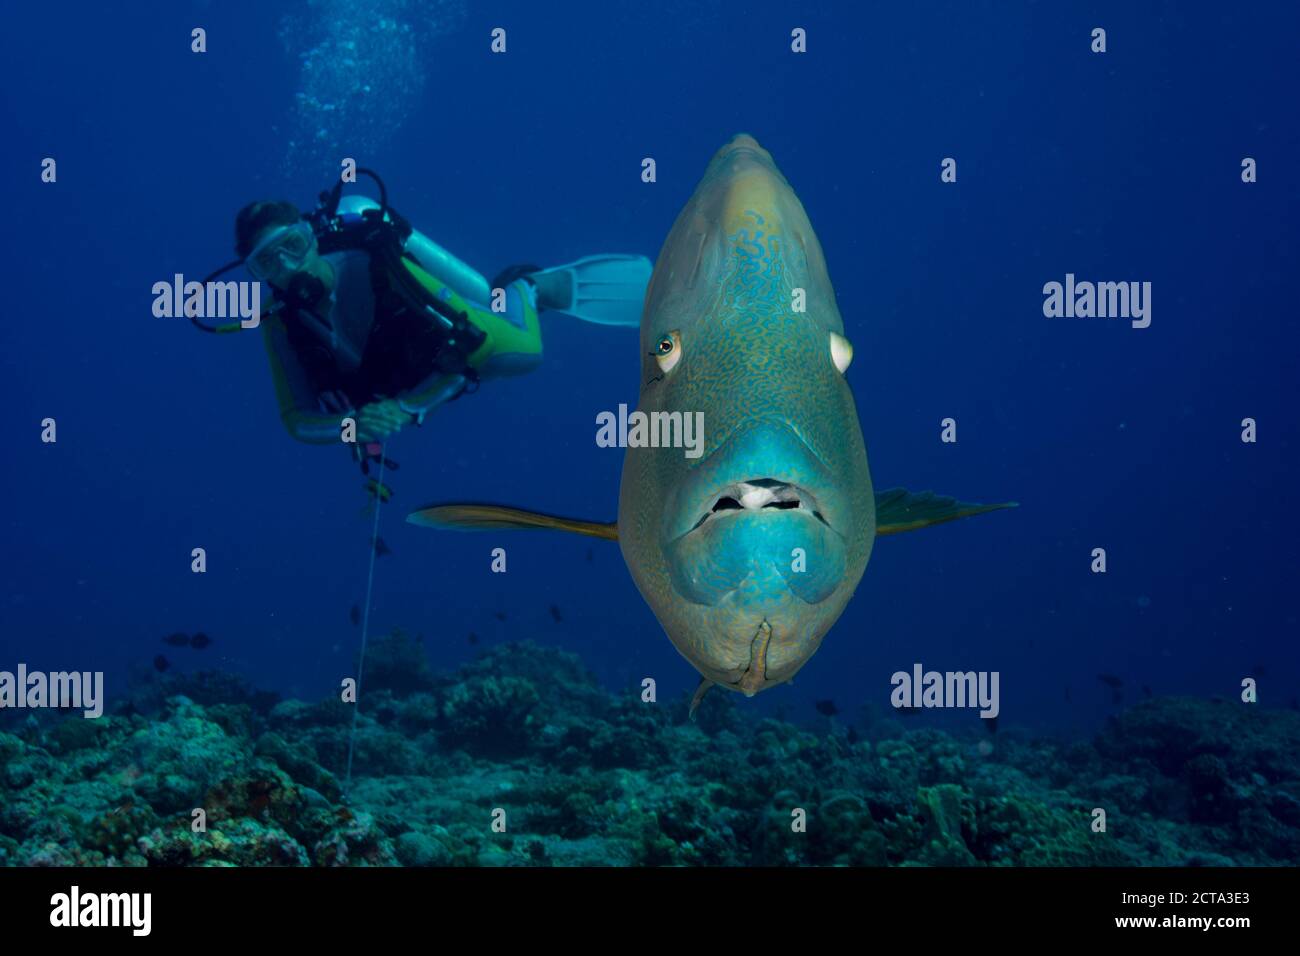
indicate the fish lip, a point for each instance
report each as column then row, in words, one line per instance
column 697, row 498
column 786, row 495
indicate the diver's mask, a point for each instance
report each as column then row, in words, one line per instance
column 282, row 252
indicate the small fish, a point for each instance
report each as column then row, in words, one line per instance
column 909, row 711
column 354, row 616
column 500, row 615
column 382, row 548
column 590, row 558
column 1067, row 693
column 200, row 641
column 1259, row 670
column 177, row 640
column 826, row 708
column 473, row 638
column 1111, row 681
column 555, row 613
column 852, row 735
column 378, row 490
column 990, row 724
column 161, row 663
column 1117, row 697
column 1146, row 690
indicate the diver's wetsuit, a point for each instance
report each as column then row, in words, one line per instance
column 317, row 367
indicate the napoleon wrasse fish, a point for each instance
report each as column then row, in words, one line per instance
column 748, row 552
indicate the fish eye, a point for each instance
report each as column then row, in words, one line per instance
column 841, row 351
column 668, row 351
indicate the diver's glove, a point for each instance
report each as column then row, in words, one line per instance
column 379, row 421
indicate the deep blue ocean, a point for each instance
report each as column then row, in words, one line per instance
column 1122, row 166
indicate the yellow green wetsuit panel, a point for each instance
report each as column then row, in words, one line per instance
column 514, row 336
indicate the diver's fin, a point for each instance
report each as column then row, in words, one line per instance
column 488, row 517
column 606, row 290
column 700, row 691
column 901, row 510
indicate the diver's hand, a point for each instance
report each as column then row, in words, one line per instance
column 379, row 421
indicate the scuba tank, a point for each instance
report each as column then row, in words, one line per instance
column 463, row 278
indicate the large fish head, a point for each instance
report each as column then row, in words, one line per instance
column 748, row 546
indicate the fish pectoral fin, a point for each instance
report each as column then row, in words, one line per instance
column 700, row 691
column 901, row 510
column 496, row 517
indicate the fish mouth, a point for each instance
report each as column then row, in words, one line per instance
column 753, row 546
column 758, row 469
column 756, row 495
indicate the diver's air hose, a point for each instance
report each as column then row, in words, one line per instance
column 365, row 619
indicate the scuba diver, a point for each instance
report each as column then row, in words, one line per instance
column 371, row 320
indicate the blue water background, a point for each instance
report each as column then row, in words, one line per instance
column 1122, row 166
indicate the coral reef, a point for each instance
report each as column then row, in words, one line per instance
column 522, row 759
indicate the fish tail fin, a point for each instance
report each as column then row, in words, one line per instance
column 473, row 517
column 900, row 510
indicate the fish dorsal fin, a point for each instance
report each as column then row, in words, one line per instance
column 901, row 510
column 495, row 517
